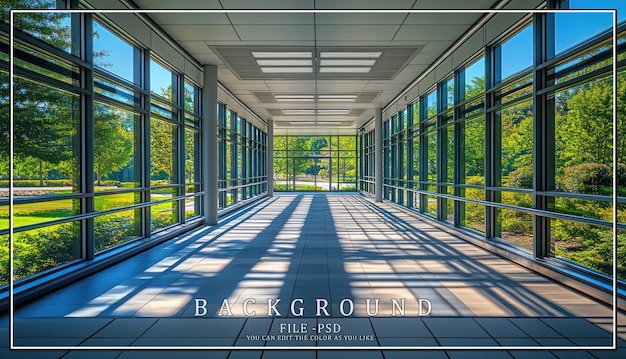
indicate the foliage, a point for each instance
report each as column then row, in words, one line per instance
column 38, row 250
column 586, row 178
column 113, row 145
column 521, row 178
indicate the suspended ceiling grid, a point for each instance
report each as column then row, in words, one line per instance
column 322, row 99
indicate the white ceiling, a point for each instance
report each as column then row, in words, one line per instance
column 209, row 36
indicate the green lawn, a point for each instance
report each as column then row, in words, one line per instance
column 32, row 213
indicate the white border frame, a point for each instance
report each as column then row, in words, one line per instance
column 12, row 345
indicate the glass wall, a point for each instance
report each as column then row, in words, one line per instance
column 517, row 149
column 242, row 151
column 316, row 163
column 104, row 154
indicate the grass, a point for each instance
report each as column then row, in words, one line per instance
column 33, row 213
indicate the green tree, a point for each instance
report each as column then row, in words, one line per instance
column 114, row 137
column 585, row 124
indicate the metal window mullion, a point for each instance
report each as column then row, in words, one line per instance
column 543, row 133
column 491, row 65
column 409, row 155
column 180, row 148
column 146, row 158
column 459, row 149
column 87, row 139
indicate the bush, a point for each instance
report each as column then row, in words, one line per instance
column 521, row 178
column 621, row 175
column 586, row 178
column 35, row 183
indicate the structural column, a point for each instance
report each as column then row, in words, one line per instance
column 209, row 142
column 378, row 154
column 270, row 158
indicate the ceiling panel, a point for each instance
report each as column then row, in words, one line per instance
column 196, row 47
column 201, row 32
column 364, row 4
column 356, row 32
column 271, row 18
column 193, row 18
column 187, row 4
column 408, row 42
column 275, row 32
column 268, row 4
column 454, row 4
column 431, row 32
column 348, row 18
column 447, row 18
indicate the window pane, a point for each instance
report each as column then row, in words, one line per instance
column 162, row 152
column 35, row 213
column 474, row 79
column 517, row 145
column 112, row 54
column 192, row 151
column 45, row 137
column 160, row 80
column 516, row 54
column 572, row 29
column 115, row 147
column 53, row 28
column 475, row 151
column 117, row 228
column 430, row 104
column 584, row 138
column 39, row 249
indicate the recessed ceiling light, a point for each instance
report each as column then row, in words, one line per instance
column 285, row 62
column 268, row 70
column 294, row 99
column 298, row 112
column 328, row 123
column 345, row 69
column 333, row 112
column 281, row 55
column 337, row 98
column 293, row 96
column 302, row 123
column 347, row 62
column 350, row 55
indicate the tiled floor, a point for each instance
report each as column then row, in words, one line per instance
column 360, row 272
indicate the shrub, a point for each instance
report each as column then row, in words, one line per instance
column 621, row 175
column 586, row 178
column 521, row 178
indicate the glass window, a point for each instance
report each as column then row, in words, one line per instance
column 161, row 80
column 515, row 54
column 191, row 98
column 473, row 79
column 162, row 152
column 517, row 145
column 115, row 147
column 430, row 104
column 55, row 28
column 46, row 137
column 112, row 54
